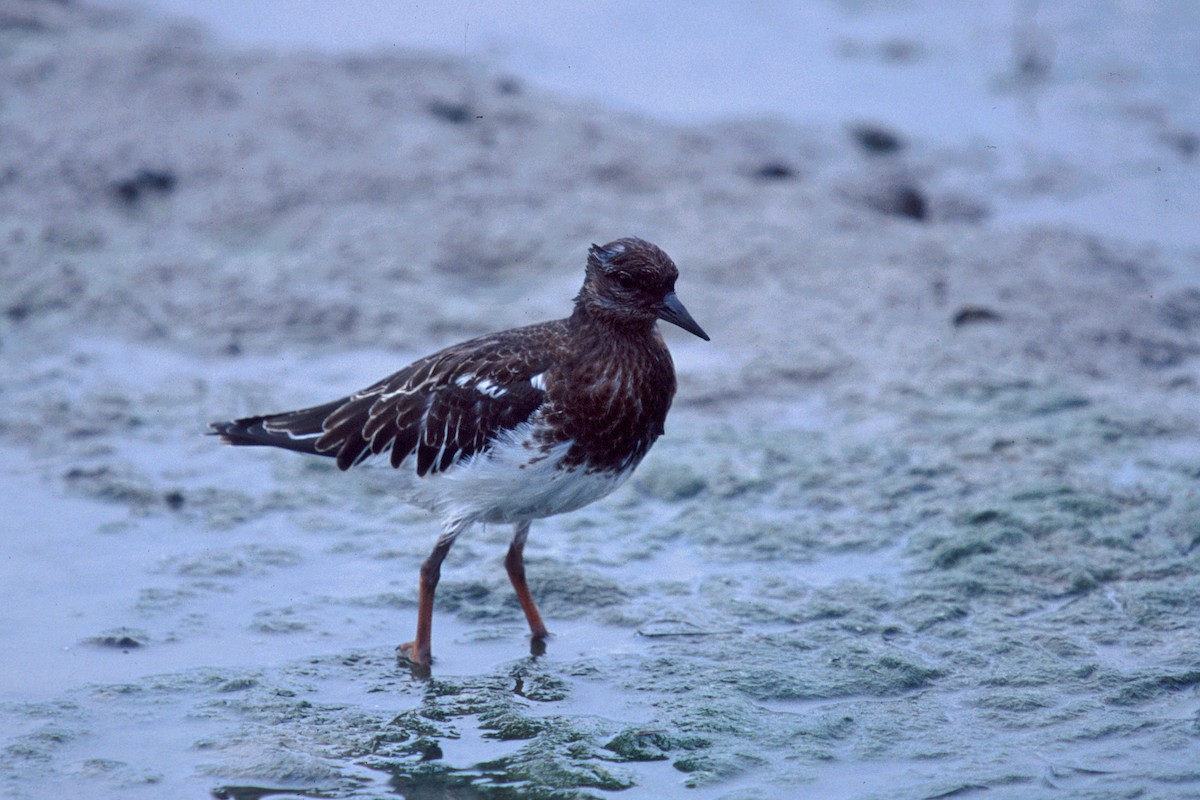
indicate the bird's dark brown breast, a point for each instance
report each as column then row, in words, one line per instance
column 611, row 400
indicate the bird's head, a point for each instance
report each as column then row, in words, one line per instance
column 631, row 281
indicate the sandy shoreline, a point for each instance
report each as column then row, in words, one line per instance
column 924, row 520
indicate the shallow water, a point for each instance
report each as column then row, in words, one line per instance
column 242, row 634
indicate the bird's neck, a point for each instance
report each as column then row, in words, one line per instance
column 601, row 325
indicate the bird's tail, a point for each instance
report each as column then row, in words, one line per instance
column 291, row 430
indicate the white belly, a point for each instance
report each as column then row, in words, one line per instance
column 509, row 483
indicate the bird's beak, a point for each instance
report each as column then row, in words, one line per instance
column 673, row 311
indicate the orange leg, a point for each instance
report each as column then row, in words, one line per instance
column 515, row 564
column 419, row 650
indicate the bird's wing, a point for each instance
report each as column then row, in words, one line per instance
column 445, row 407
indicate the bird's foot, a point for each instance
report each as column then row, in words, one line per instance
column 416, row 656
column 537, row 643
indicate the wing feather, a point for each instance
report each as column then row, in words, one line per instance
column 445, row 408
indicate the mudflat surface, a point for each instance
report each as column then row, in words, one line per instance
column 925, row 522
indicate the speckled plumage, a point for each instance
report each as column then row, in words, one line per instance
column 515, row 425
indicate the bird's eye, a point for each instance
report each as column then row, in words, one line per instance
column 625, row 280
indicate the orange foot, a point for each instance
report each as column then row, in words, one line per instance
column 417, row 655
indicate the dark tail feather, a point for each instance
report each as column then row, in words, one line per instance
column 291, row 430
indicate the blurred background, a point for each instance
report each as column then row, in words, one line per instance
column 1108, row 87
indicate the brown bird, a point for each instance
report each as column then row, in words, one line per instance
column 512, row 426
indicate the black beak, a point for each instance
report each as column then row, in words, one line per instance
column 673, row 311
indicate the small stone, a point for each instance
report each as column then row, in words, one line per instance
column 775, row 171
column 876, row 139
column 970, row 315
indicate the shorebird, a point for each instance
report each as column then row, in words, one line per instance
column 512, row 426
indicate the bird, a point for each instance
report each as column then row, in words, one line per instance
column 513, row 426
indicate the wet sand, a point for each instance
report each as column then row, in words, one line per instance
column 925, row 522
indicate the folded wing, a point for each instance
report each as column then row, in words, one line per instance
column 444, row 408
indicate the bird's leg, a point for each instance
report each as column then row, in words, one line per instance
column 515, row 564
column 419, row 650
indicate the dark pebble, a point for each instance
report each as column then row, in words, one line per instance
column 117, row 642
column 969, row 315
column 131, row 190
column 455, row 113
column 875, row 139
column 775, row 171
column 910, row 202
column 901, row 200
